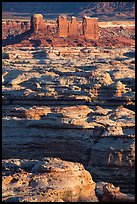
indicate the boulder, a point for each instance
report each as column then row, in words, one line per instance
column 48, row 180
column 120, row 89
column 113, row 194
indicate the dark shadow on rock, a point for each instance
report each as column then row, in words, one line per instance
column 130, row 54
column 53, row 143
column 35, row 43
column 13, row 75
column 16, row 39
column 121, row 59
column 39, row 55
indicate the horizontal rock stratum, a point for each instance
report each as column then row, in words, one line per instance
column 77, row 104
column 47, row 180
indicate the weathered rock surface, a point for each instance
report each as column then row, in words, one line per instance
column 62, row 26
column 62, row 102
column 37, row 22
column 47, row 180
column 73, row 27
column 73, row 33
column 107, row 192
column 90, row 28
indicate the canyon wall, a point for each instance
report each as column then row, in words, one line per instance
column 78, row 108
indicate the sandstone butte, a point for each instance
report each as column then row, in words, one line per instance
column 68, row 113
column 65, row 32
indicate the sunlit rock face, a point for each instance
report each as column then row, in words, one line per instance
column 47, row 180
column 62, row 26
column 65, row 32
column 107, row 192
column 73, row 27
column 37, row 22
column 62, row 102
column 90, row 28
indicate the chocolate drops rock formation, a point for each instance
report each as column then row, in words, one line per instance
column 37, row 22
column 67, row 32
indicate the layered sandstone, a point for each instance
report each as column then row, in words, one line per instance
column 47, row 180
column 73, row 27
column 61, row 102
column 117, row 24
column 62, row 26
column 18, row 33
column 37, row 22
column 90, row 28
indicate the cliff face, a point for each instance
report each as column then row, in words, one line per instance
column 72, row 33
column 73, row 27
column 90, row 28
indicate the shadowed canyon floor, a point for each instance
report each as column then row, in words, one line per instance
column 75, row 103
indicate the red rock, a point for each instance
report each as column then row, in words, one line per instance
column 73, row 27
column 62, row 26
column 90, row 28
column 113, row 194
column 65, row 29
column 37, row 22
column 50, row 180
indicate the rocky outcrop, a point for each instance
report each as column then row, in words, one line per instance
column 113, row 194
column 73, row 27
column 17, row 33
column 90, row 28
column 106, row 80
column 47, row 180
column 60, row 102
column 62, row 26
column 37, row 22
column 120, row 88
